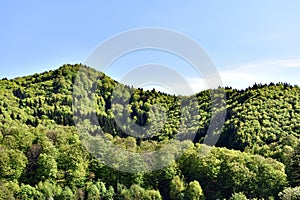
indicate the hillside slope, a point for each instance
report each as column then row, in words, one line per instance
column 42, row 151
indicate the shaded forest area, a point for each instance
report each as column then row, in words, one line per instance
column 42, row 155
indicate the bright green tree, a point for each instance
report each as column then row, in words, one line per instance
column 177, row 187
column 194, row 191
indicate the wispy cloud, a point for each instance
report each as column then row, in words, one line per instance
column 243, row 75
column 286, row 63
column 246, row 74
column 239, row 76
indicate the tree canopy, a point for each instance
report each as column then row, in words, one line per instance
column 43, row 156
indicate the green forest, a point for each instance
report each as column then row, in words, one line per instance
column 256, row 156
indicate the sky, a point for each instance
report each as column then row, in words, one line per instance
column 248, row 41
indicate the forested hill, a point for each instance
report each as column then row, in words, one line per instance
column 42, row 157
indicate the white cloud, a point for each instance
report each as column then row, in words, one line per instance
column 239, row 76
column 197, row 84
column 246, row 74
column 286, row 63
column 243, row 75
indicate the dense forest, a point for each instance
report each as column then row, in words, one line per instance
column 256, row 156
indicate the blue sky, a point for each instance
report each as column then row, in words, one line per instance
column 249, row 41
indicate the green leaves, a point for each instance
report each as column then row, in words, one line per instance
column 226, row 171
column 42, row 155
column 46, row 167
column 136, row 192
column 12, row 163
column 177, row 187
column 295, row 167
column 194, row 191
column 290, row 194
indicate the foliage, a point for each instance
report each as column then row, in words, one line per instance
column 194, row 191
column 295, row 167
column 226, row 171
column 43, row 157
column 290, row 194
column 238, row 196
